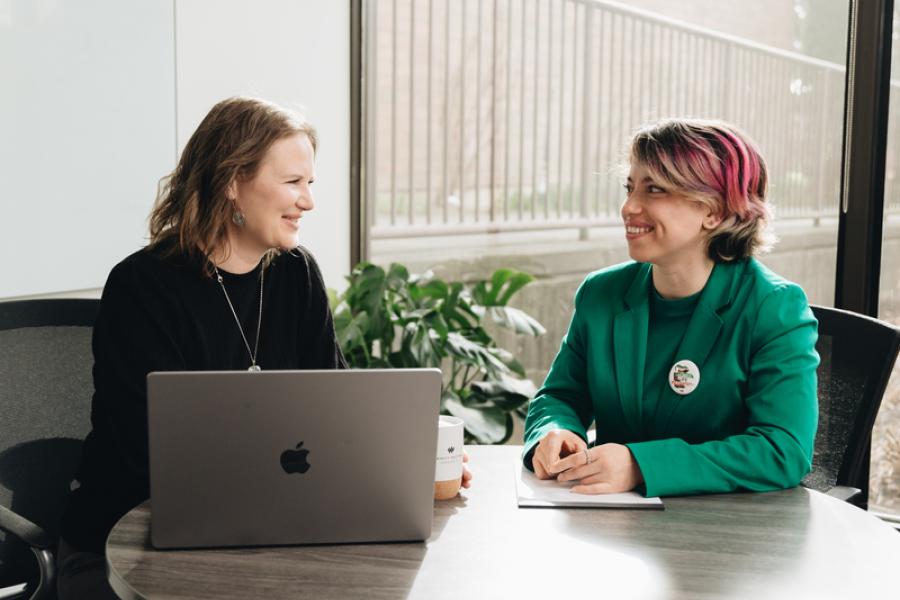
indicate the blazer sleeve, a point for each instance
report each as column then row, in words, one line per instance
column 775, row 450
column 563, row 402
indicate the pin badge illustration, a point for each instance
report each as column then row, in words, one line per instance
column 684, row 377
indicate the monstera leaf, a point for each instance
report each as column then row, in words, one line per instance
column 501, row 287
column 515, row 319
column 391, row 319
column 484, row 424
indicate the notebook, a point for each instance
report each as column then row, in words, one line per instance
column 291, row 457
column 544, row 493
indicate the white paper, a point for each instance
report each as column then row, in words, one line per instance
column 536, row 492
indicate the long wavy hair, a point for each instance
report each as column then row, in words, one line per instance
column 717, row 164
column 192, row 208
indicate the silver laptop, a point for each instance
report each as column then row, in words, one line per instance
column 292, row 457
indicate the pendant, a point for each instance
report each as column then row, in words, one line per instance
column 254, row 369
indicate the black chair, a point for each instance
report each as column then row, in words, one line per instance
column 45, row 399
column 857, row 354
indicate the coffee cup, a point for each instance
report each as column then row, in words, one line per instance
column 449, row 462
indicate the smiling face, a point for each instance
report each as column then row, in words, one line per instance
column 275, row 198
column 663, row 226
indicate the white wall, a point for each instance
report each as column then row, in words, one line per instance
column 87, row 128
column 63, row 226
column 295, row 53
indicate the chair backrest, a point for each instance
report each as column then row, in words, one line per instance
column 45, row 399
column 857, row 354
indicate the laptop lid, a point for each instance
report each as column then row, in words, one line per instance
column 291, row 457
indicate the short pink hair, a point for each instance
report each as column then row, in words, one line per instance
column 719, row 165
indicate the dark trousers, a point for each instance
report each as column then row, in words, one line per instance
column 81, row 575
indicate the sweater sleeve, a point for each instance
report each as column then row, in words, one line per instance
column 775, row 450
column 319, row 345
column 136, row 333
column 563, row 402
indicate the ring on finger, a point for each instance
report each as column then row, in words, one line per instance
column 587, row 457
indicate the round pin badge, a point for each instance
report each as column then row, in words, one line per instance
column 684, row 377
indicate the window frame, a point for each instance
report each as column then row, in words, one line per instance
column 864, row 154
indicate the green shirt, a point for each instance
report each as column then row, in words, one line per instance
column 668, row 322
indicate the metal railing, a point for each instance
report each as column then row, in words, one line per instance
column 505, row 115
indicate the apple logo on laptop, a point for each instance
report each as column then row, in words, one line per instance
column 294, row 461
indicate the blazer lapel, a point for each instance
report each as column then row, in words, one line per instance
column 702, row 332
column 630, row 349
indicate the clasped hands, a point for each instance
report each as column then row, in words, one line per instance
column 604, row 469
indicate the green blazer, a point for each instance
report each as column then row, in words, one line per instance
column 751, row 421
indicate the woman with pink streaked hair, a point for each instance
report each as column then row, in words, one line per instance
column 695, row 362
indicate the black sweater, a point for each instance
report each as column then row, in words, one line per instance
column 164, row 314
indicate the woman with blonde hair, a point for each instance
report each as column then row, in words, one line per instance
column 695, row 362
column 223, row 285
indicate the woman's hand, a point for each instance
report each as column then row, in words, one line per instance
column 467, row 474
column 554, row 446
column 605, row 469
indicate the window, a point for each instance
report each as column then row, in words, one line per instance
column 496, row 128
column 884, row 485
column 490, row 118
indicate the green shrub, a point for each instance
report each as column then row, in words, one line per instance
column 394, row 320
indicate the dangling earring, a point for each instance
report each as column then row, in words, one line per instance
column 237, row 217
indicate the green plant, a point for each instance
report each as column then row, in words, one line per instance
column 389, row 319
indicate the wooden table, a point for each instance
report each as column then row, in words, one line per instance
column 789, row 544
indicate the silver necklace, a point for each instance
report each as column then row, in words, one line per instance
column 262, row 275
